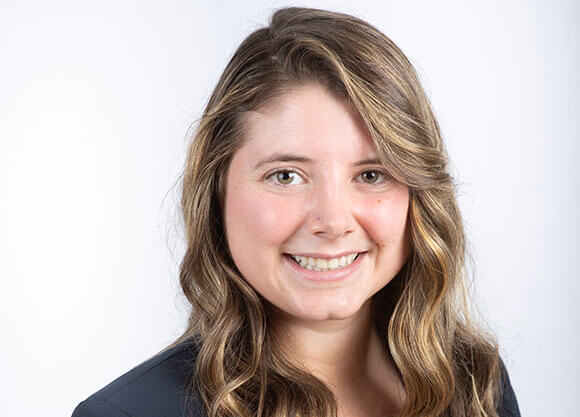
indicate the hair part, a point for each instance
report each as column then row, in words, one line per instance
column 448, row 366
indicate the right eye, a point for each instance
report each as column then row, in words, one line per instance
column 284, row 177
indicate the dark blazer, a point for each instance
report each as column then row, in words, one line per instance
column 156, row 388
column 159, row 388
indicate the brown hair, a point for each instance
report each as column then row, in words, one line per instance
column 448, row 366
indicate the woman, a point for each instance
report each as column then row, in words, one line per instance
column 325, row 257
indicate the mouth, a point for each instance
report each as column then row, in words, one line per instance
column 324, row 264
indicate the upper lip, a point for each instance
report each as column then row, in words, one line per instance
column 324, row 255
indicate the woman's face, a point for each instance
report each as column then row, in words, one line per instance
column 305, row 195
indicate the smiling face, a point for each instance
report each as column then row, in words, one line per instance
column 313, row 222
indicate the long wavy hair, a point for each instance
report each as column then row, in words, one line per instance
column 449, row 366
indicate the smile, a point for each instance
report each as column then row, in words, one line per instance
column 324, row 264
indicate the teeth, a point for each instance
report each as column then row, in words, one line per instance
column 321, row 264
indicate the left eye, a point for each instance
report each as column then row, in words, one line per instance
column 284, row 177
column 372, row 177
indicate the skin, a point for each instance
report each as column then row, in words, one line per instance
column 328, row 205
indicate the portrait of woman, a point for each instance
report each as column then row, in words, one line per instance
column 325, row 260
column 273, row 209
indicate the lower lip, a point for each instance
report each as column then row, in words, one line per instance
column 325, row 276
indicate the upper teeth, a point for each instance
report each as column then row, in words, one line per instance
column 323, row 264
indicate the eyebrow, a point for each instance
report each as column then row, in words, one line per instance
column 370, row 161
column 286, row 157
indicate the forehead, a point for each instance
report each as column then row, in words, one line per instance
column 310, row 119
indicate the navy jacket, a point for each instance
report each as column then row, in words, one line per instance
column 159, row 388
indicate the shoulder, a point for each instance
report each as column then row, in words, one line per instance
column 157, row 387
column 508, row 404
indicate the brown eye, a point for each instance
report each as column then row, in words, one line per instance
column 285, row 177
column 370, row 177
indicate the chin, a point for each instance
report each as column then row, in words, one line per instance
column 322, row 313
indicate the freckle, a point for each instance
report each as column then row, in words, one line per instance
column 378, row 201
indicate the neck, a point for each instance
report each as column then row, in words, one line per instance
column 348, row 356
column 335, row 351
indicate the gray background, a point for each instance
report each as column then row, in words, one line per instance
column 95, row 102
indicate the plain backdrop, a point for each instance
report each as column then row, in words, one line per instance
column 96, row 98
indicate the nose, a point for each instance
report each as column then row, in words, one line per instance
column 331, row 213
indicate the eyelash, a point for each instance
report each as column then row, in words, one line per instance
column 271, row 176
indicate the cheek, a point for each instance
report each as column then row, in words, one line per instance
column 256, row 227
column 386, row 218
column 258, row 219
